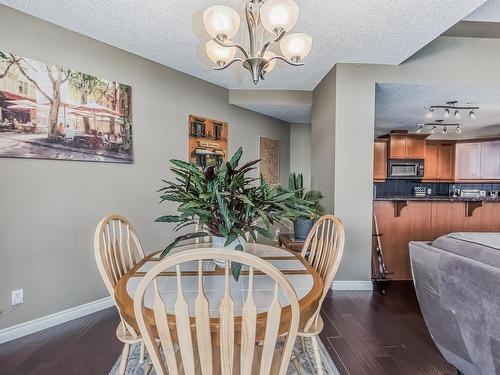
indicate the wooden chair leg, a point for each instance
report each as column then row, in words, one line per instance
column 295, row 363
column 303, row 344
column 124, row 359
column 141, row 355
column 317, row 356
column 148, row 369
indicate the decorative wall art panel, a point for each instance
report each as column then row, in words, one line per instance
column 270, row 159
column 207, row 141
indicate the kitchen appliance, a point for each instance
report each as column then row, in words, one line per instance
column 410, row 169
column 494, row 194
column 472, row 193
column 420, row 191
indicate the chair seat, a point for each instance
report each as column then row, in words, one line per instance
column 314, row 330
column 125, row 336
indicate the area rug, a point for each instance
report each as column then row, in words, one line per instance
column 306, row 361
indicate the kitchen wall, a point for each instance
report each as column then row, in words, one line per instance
column 300, row 151
column 49, row 209
column 446, row 60
column 404, row 188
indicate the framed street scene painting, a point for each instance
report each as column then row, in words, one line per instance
column 51, row 112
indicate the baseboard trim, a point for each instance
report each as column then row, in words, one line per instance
column 352, row 285
column 39, row 324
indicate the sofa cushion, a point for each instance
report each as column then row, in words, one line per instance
column 481, row 247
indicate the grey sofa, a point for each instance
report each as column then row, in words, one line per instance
column 457, row 280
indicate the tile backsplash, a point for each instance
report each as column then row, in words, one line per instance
column 404, row 188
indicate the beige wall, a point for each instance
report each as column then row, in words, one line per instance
column 447, row 61
column 300, row 151
column 49, row 209
column 323, row 138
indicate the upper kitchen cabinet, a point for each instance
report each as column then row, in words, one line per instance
column 439, row 161
column 379, row 160
column 477, row 161
column 490, row 160
column 407, row 146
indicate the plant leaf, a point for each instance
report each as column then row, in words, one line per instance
column 188, row 236
column 236, row 158
column 168, row 219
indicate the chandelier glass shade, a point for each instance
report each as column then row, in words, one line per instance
column 221, row 20
column 277, row 17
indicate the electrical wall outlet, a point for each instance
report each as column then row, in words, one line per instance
column 17, row 297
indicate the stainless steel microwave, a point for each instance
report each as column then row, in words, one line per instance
column 405, row 169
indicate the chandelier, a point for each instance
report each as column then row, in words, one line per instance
column 277, row 17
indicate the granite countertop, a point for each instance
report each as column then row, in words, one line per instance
column 438, row 198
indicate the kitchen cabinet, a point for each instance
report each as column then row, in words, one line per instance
column 405, row 146
column 439, row 161
column 379, row 160
column 477, row 161
column 490, row 160
column 425, row 221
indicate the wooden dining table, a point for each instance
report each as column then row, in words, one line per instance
column 306, row 282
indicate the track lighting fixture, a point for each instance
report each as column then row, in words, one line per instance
column 452, row 105
column 438, row 124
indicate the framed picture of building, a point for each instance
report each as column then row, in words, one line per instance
column 51, row 112
column 269, row 154
column 207, row 141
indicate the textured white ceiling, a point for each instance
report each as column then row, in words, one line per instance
column 401, row 106
column 171, row 32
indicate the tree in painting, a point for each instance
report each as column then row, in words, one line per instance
column 52, row 112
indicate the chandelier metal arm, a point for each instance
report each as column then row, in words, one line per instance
column 286, row 60
column 276, row 40
column 228, row 64
column 233, row 45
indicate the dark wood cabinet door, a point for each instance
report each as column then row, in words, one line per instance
column 431, row 162
column 380, row 161
column 397, row 147
column 446, row 162
column 415, row 148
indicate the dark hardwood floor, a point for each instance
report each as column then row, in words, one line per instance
column 365, row 333
column 380, row 333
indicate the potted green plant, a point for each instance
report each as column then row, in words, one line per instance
column 303, row 222
column 224, row 202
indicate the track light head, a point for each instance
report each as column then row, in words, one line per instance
column 433, row 130
column 472, row 115
column 457, row 114
column 458, row 130
column 420, row 128
column 445, row 130
column 446, row 113
column 430, row 114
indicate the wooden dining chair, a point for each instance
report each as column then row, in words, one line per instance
column 192, row 331
column 323, row 250
column 117, row 250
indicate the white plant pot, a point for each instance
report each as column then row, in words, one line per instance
column 219, row 242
